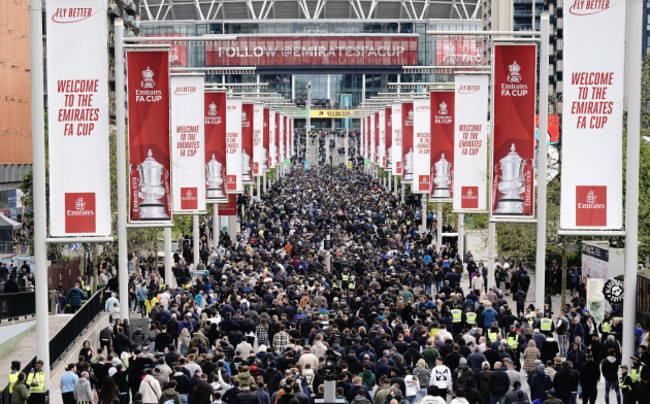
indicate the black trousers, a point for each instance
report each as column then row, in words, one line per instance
column 68, row 398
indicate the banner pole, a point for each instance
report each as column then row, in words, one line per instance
column 439, row 227
column 491, row 241
column 540, row 261
column 634, row 54
column 40, row 210
column 259, row 191
column 461, row 237
column 120, row 121
column 423, row 214
column 195, row 239
column 216, row 225
column 168, row 256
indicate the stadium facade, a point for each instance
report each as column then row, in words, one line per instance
column 354, row 47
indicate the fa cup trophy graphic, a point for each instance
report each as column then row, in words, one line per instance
column 214, row 179
column 442, row 178
column 512, row 184
column 246, row 167
column 408, row 166
column 151, row 189
column 264, row 160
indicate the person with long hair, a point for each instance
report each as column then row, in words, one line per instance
column 108, row 391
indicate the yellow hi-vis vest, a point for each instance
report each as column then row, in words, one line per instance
column 607, row 326
column 457, row 316
column 470, row 317
column 635, row 373
column 344, row 277
column 13, row 378
column 513, row 342
column 39, row 377
column 545, row 324
column 493, row 335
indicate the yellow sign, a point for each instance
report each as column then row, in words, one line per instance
column 330, row 113
column 349, row 164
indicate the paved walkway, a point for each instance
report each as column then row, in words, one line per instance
column 25, row 350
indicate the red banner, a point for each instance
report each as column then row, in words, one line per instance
column 513, row 148
column 465, row 50
column 229, row 208
column 553, row 127
column 442, row 143
column 388, row 154
column 215, row 145
column 407, row 141
column 265, row 140
column 278, row 136
column 313, row 50
column 247, row 141
column 177, row 50
column 149, row 161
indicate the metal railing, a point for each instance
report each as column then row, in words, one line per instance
column 65, row 338
column 16, row 305
column 60, row 343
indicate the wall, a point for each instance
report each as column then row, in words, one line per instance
column 15, row 124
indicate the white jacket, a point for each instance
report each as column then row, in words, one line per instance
column 440, row 377
column 150, row 390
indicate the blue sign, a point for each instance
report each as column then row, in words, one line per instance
column 346, row 103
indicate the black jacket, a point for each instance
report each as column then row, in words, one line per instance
column 499, row 382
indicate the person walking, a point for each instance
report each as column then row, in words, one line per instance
column 20, row 392
column 589, row 377
column 609, row 368
column 68, row 380
column 75, row 296
column 83, row 390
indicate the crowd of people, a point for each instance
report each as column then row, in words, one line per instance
column 384, row 316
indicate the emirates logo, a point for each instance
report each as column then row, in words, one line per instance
column 189, row 200
column 147, row 79
column 513, row 73
column 79, row 204
column 591, row 205
column 591, row 197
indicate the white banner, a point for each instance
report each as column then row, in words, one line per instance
column 282, row 152
column 421, row 146
column 373, row 143
column 234, row 181
column 288, row 152
column 363, row 137
column 187, row 143
column 273, row 147
column 259, row 153
column 77, row 89
column 396, row 122
column 592, row 114
column 381, row 154
column 470, row 143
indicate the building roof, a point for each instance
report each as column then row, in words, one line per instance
column 263, row 10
